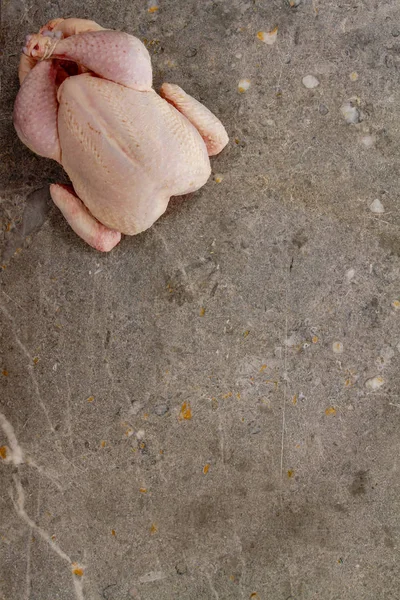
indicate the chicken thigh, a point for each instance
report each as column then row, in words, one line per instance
column 86, row 100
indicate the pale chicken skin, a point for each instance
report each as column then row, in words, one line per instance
column 86, row 100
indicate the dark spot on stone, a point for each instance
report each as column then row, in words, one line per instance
column 340, row 508
column 254, row 427
column 299, row 239
column 390, row 242
column 240, row 465
column 241, row 492
column 181, row 568
column 385, row 143
column 323, row 109
column 36, row 209
column 359, row 39
column 207, row 513
column 178, row 290
column 375, row 302
column 395, row 32
column 86, row 444
column 108, row 336
column 35, row 213
column 372, row 310
column 389, row 542
column 191, row 52
column 214, row 289
column 110, row 592
column 389, row 61
column 358, row 488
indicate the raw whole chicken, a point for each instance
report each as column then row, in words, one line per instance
column 86, row 100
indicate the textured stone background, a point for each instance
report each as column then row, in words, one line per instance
column 226, row 311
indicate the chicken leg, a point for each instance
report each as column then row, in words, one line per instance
column 112, row 55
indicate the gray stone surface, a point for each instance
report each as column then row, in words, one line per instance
column 227, row 311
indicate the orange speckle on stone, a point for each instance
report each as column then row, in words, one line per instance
column 146, row 416
column 143, row 490
column 268, row 37
column 330, row 411
column 228, row 395
column 3, row 452
column 90, row 399
column 254, row 596
column 294, row 399
column 186, row 412
column 314, row 339
column 153, row 529
column 246, row 333
column 153, row 9
column 290, row 473
column 5, row 372
column 202, row 311
column 8, row 227
column 263, row 367
column 206, row 468
column 78, row 571
column 238, row 396
column 53, row 537
column 103, row 444
column 4, row 266
column 161, row 451
column 36, row 360
column 243, row 85
column 112, row 531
